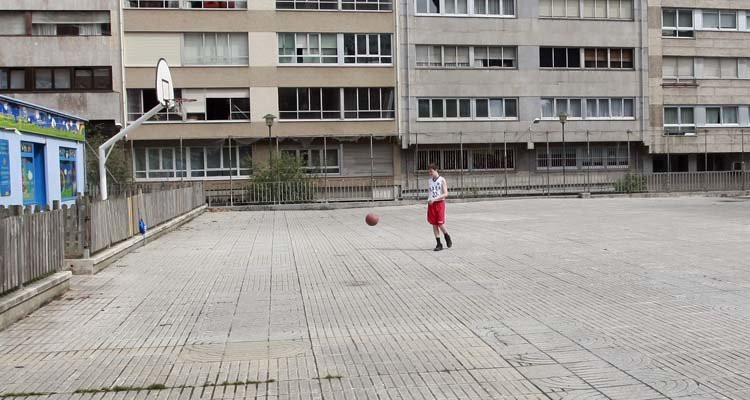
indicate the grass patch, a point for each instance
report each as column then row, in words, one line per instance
column 155, row 386
column 329, row 376
column 24, row 394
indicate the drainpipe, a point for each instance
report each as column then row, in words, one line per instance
column 643, row 52
column 121, row 32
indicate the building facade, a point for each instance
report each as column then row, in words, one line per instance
column 325, row 69
column 699, row 84
column 64, row 55
column 476, row 74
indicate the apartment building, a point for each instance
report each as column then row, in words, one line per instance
column 64, row 55
column 475, row 74
column 699, row 84
column 325, row 69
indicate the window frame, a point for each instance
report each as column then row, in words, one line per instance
column 425, row 156
column 472, row 109
column 585, row 101
column 358, row 56
column 677, row 28
column 719, row 14
column 340, row 113
column 471, row 10
column 243, row 60
column 680, row 125
column 310, row 168
column 30, row 79
column 185, row 171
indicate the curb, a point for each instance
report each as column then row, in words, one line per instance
column 20, row 303
column 103, row 258
column 410, row 202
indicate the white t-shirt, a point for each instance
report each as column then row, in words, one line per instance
column 436, row 187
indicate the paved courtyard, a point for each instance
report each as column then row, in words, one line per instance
column 539, row 299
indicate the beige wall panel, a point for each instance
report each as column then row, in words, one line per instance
column 263, row 49
column 145, row 49
column 263, row 100
column 256, row 21
column 206, row 77
column 209, row 130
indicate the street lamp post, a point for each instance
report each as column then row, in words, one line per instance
column 269, row 123
column 530, row 147
column 563, row 119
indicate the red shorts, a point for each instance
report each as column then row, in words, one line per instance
column 436, row 213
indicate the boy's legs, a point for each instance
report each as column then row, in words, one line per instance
column 436, row 232
column 448, row 240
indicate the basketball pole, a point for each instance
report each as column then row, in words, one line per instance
column 106, row 148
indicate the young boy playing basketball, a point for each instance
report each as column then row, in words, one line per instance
column 437, row 193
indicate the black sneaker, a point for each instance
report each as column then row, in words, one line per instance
column 448, row 241
column 438, row 247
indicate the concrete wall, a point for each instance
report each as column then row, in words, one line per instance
column 704, row 91
column 51, row 166
column 527, row 82
column 30, row 51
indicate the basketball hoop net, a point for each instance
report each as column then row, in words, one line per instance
column 178, row 106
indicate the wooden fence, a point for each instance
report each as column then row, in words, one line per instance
column 32, row 245
column 91, row 225
column 116, row 219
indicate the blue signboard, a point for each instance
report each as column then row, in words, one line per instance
column 4, row 169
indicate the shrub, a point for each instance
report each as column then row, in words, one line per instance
column 630, row 183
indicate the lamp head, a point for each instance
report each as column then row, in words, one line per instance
column 563, row 118
column 536, row 121
column 269, row 119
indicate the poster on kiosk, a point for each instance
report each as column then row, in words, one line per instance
column 42, row 155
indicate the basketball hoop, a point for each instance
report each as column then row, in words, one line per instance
column 179, row 108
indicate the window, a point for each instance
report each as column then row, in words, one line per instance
column 460, row 7
column 212, row 4
column 370, row 48
column 363, row 103
column 215, row 49
column 325, row 103
column 153, row 3
column 367, row 5
column 678, row 68
column 560, row 57
column 307, row 4
column 308, row 48
column 677, row 23
column 604, row 156
column 141, row 101
column 715, row 19
column 603, row 58
column 452, row 108
column 718, row 68
column 679, row 121
column 574, row 108
column 492, row 8
column 70, row 23
column 726, row 115
column 494, row 57
column 316, row 161
column 560, row 8
column 56, row 79
column 309, row 103
column 225, row 109
column 555, row 157
column 68, row 173
column 323, row 48
column 192, row 161
column 469, row 159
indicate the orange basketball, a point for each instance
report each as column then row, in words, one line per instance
column 372, row 219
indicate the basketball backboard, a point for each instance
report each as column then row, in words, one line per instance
column 164, row 87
